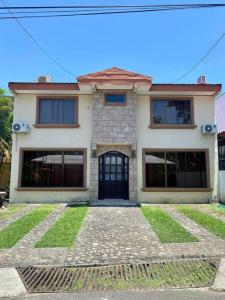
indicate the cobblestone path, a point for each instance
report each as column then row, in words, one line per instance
column 112, row 235
column 208, row 245
column 23, row 252
column 17, row 216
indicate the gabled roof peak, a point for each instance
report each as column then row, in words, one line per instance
column 114, row 75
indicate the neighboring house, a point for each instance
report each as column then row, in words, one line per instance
column 220, row 116
column 114, row 135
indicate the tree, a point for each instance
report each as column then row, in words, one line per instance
column 6, row 116
column 5, row 154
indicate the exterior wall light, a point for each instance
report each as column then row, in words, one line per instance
column 94, row 154
column 133, row 154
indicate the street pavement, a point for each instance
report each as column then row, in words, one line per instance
column 168, row 294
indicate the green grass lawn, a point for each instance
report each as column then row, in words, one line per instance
column 64, row 232
column 210, row 223
column 166, row 228
column 214, row 208
column 10, row 209
column 11, row 234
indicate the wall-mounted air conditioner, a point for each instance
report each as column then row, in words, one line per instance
column 20, row 127
column 209, row 129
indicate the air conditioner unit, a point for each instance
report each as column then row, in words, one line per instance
column 20, row 127
column 44, row 78
column 209, row 129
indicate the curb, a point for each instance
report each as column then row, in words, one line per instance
column 219, row 281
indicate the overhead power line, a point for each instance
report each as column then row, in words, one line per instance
column 100, row 10
column 115, row 6
column 208, row 52
column 37, row 43
column 22, row 12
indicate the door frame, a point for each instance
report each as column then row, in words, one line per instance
column 125, row 182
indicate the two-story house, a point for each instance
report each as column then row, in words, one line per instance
column 114, row 134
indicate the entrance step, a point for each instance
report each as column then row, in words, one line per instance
column 114, row 203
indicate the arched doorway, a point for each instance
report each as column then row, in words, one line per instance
column 113, row 176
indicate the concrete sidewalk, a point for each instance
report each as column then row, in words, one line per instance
column 219, row 282
column 187, row 294
column 10, row 283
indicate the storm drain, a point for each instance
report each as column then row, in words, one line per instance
column 178, row 274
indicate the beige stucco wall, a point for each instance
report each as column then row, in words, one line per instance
column 204, row 109
column 25, row 110
column 222, row 184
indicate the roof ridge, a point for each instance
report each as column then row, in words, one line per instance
column 114, row 74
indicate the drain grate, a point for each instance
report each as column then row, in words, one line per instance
column 179, row 273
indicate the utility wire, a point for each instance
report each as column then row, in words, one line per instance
column 37, row 43
column 101, row 10
column 64, row 10
column 116, row 6
column 106, row 13
column 208, row 52
column 55, row 11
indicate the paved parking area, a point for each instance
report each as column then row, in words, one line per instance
column 111, row 235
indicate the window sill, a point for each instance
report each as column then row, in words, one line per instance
column 145, row 189
column 59, row 189
column 115, row 104
column 56, row 125
column 164, row 126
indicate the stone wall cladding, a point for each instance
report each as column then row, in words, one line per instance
column 113, row 129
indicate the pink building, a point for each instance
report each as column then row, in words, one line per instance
column 220, row 118
column 220, row 115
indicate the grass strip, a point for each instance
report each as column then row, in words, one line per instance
column 63, row 233
column 219, row 209
column 166, row 228
column 10, row 210
column 15, row 231
column 212, row 224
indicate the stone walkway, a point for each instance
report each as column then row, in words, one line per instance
column 117, row 235
column 111, row 235
column 17, row 216
column 208, row 244
column 24, row 253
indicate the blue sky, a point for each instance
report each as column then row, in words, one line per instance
column 162, row 44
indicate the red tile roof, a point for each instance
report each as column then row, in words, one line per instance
column 42, row 86
column 114, row 75
column 214, row 88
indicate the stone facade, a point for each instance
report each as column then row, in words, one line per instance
column 113, row 129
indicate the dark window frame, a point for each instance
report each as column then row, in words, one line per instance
column 57, row 125
column 221, row 153
column 58, row 188
column 115, row 103
column 153, row 125
column 176, row 189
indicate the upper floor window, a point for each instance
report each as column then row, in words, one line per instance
column 172, row 111
column 115, row 99
column 57, row 111
column 221, row 144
